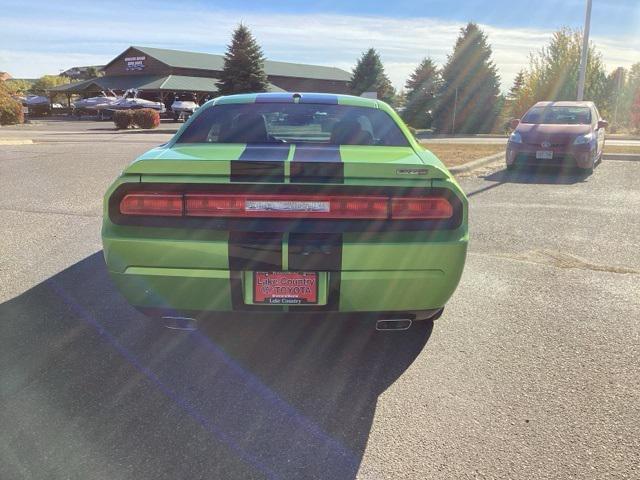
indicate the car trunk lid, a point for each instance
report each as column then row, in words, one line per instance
column 288, row 163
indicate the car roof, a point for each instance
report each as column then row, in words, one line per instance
column 298, row 97
column 564, row 103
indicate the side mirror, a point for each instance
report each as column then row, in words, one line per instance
column 513, row 123
column 602, row 124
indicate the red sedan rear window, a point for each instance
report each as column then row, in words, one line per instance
column 558, row 115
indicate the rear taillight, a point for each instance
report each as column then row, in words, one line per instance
column 421, row 208
column 286, row 206
column 149, row 203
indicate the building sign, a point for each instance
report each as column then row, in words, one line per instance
column 134, row 63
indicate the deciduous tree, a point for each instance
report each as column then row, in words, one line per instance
column 553, row 70
column 10, row 108
column 46, row 83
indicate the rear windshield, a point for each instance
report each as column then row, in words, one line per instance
column 293, row 123
column 558, row 115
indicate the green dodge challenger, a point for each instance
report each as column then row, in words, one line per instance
column 290, row 204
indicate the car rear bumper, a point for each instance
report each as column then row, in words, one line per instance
column 580, row 157
column 411, row 277
column 182, row 317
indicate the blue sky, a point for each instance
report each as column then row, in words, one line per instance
column 39, row 37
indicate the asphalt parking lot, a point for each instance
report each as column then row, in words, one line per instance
column 532, row 372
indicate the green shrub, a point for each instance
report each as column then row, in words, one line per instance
column 146, row 118
column 123, row 119
column 10, row 109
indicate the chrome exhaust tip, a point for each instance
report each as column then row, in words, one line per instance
column 393, row 324
column 180, row 323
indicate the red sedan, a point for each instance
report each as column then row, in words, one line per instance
column 557, row 134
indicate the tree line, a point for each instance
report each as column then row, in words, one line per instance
column 461, row 96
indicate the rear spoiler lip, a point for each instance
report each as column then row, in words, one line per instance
column 374, row 170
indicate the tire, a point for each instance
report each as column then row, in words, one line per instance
column 511, row 167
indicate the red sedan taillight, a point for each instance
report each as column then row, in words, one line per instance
column 286, row 206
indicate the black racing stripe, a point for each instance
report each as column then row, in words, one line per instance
column 317, row 153
column 260, row 163
column 251, row 252
column 319, row 253
column 317, row 164
column 284, row 97
column 255, row 251
column 315, row 252
column 265, row 152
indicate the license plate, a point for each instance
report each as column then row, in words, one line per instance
column 544, row 154
column 285, row 288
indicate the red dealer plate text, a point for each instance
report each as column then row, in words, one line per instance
column 285, row 288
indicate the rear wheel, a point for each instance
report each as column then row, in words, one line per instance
column 587, row 170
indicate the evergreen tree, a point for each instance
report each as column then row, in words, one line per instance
column 421, row 87
column 368, row 76
column 518, row 100
column 513, row 104
column 470, row 86
column 243, row 70
column 635, row 112
column 516, row 88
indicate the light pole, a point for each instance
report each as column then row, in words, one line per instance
column 620, row 75
column 585, row 52
column 455, row 107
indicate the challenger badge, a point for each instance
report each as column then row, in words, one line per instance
column 412, row 171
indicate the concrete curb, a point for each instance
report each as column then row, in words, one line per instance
column 15, row 142
column 481, row 162
column 622, row 156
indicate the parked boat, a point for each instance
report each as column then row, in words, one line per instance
column 35, row 100
column 130, row 101
column 184, row 105
column 103, row 100
column 37, row 104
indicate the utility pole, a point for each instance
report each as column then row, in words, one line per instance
column 455, row 106
column 585, row 51
column 619, row 80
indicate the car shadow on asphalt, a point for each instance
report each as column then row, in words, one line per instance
column 131, row 131
column 92, row 389
column 542, row 175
